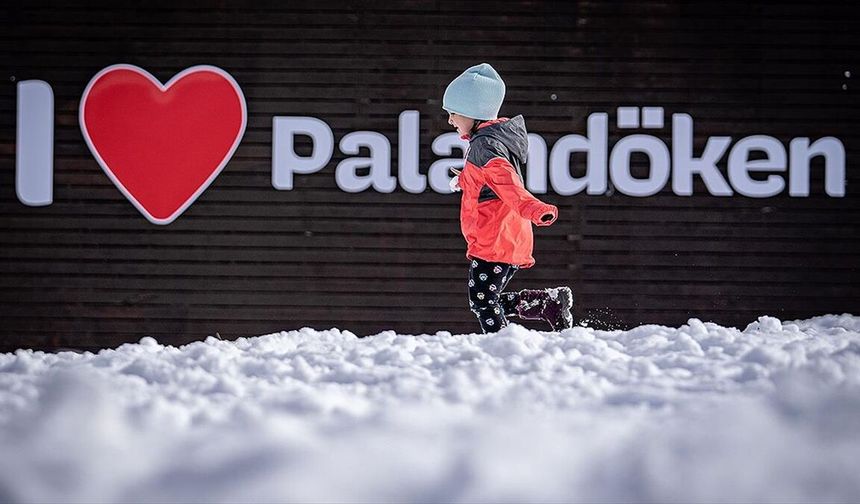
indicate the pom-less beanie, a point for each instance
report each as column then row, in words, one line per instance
column 476, row 93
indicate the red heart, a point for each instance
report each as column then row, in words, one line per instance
column 162, row 145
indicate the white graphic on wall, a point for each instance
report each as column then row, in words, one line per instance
column 34, row 162
column 758, row 166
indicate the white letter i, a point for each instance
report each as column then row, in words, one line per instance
column 34, row 165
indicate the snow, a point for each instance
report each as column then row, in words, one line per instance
column 698, row 413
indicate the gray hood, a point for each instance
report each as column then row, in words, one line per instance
column 512, row 133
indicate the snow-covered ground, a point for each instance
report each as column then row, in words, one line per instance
column 699, row 413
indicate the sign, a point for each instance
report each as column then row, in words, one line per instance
column 552, row 168
column 162, row 145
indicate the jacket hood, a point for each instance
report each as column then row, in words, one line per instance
column 512, row 133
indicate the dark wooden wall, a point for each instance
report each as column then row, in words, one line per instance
column 245, row 259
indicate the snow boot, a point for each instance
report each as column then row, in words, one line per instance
column 550, row 305
column 557, row 308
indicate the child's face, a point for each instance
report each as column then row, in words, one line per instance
column 462, row 123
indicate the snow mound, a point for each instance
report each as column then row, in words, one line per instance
column 698, row 413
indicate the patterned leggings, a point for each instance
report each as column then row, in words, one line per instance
column 487, row 280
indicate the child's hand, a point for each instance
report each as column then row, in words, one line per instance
column 454, row 184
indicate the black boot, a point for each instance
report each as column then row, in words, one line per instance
column 550, row 305
column 557, row 308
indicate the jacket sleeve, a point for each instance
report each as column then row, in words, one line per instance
column 500, row 176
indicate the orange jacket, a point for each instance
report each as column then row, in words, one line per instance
column 496, row 210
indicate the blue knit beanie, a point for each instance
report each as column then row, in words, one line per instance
column 477, row 93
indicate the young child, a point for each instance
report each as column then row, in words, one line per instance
column 496, row 210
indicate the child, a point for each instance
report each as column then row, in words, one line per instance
column 496, row 210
